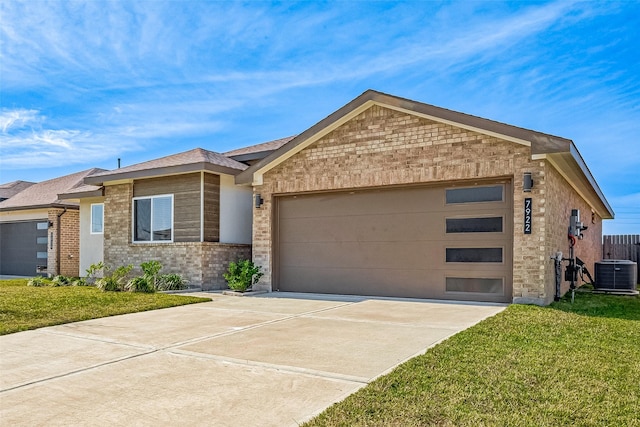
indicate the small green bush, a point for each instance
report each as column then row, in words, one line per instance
column 140, row 284
column 38, row 281
column 150, row 270
column 116, row 281
column 90, row 280
column 60, row 280
column 242, row 275
column 171, row 282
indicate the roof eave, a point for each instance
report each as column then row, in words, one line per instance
column 82, row 194
column 574, row 170
column 539, row 142
column 47, row 206
column 162, row 171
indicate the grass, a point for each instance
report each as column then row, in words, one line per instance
column 567, row 364
column 23, row 307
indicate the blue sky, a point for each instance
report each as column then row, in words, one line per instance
column 83, row 83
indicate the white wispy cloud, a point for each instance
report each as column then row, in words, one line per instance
column 17, row 118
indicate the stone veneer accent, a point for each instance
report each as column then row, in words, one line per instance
column 381, row 147
column 201, row 263
column 69, row 243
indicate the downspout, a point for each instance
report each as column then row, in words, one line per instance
column 59, row 246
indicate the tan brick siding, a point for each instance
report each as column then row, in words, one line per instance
column 69, row 244
column 202, row 264
column 561, row 199
column 382, row 147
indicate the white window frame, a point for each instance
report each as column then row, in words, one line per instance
column 133, row 219
column 102, row 222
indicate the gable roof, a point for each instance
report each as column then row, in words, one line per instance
column 194, row 160
column 10, row 189
column 560, row 152
column 45, row 194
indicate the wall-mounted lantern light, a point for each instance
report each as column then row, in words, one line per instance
column 527, row 182
column 258, row 201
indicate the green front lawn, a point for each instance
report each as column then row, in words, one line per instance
column 23, row 307
column 573, row 365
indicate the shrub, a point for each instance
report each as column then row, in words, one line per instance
column 60, row 280
column 116, row 281
column 38, row 281
column 90, row 280
column 139, row 284
column 150, row 270
column 242, row 275
column 171, row 282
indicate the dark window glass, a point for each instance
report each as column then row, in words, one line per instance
column 474, row 194
column 142, row 209
column 473, row 284
column 474, row 225
column 474, row 254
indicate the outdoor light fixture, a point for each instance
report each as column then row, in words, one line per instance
column 258, row 201
column 527, row 182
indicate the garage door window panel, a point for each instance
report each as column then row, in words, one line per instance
column 474, row 255
column 492, row 193
column 474, row 225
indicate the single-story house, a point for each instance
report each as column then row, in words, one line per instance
column 386, row 196
column 39, row 231
column 392, row 197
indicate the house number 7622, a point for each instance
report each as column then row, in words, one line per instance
column 527, row 215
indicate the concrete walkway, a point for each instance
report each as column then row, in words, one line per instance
column 272, row 360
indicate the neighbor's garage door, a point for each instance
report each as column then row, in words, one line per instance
column 422, row 242
column 23, row 247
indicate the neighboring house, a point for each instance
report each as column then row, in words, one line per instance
column 183, row 210
column 10, row 189
column 39, row 231
column 393, row 197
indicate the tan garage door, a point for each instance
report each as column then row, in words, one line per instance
column 422, row 242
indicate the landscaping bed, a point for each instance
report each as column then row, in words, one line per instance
column 25, row 307
column 566, row 364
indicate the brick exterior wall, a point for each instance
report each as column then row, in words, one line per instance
column 562, row 198
column 382, row 147
column 201, row 263
column 69, row 244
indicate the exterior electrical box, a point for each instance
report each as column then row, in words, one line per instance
column 616, row 274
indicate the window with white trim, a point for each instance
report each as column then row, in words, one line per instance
column 153, row 219
column 97, row 218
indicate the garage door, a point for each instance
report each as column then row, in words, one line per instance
column 23, row 247
column 421, row 242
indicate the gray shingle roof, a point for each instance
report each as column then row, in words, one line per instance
column 10, row 189
column 45, row 194
column 188, row 161
column 265, row 146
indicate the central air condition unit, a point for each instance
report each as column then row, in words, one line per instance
column 616, row 274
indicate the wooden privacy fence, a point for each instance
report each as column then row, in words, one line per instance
column 622, row 246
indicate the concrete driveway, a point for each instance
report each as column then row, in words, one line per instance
column 272, row 360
